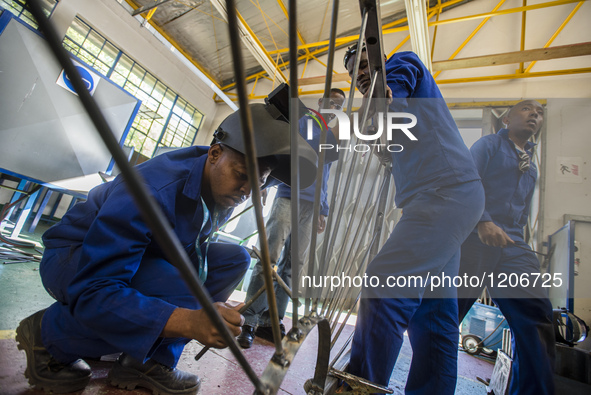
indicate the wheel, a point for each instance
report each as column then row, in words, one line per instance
column 471, row 344
column 489, row 352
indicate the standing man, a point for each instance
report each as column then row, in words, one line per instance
column 117, row 292
column 258, row 320
column 497, row 248
column 441, row 195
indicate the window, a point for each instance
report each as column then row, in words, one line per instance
column 164, row 119
column 17, row 7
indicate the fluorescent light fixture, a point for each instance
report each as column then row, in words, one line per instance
column 416, row 12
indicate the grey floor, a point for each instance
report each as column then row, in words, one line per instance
column 21, row 294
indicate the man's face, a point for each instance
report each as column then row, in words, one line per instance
column 336, row 101
column 228, row 176
column 525, row 118
column 363, row 76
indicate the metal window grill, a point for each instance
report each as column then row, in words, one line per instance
column 361, row 217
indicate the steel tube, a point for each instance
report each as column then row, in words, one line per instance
column 252, row 167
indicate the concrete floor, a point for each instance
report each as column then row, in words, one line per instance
column 22, row 294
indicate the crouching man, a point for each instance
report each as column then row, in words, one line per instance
column 116, row 291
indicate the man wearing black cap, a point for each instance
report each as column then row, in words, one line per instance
column 258, row 320
column 115, row 289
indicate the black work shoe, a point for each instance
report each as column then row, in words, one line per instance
column 247, row 336
column 128, row 373
column 43, row 371
column 266, row 332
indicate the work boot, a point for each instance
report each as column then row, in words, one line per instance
column 246, row 337
column 266, row 332
column 128, row 372
column 43, row 371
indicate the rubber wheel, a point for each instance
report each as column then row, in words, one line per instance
column 471, row 344
column 489, row 352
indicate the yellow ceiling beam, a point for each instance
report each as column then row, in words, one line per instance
column 522, row 43
column 563, row 51
column 504, row 12
column 557, row 32
column 469, row 38
column 435, row 29
column 552, row 73
column 251, row 42
column 287, row 16
column 387, row 30
column 496, row 103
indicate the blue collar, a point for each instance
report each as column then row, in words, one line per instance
column 192, row 188
column 504, row 133
column 194, row 183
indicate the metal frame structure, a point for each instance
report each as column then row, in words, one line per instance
column 531, row 55
column 269, row 382
column 362, row 215
column 273, row 63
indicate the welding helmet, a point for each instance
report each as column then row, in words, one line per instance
column 272, row 138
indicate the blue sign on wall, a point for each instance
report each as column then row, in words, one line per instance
column 90, row 78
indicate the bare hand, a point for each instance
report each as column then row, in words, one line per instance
column 195, row 324
column 492, row 235
column 321, row 224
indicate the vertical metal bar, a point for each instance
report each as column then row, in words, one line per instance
column 40, row 210
column 22, row 186
column 557, row 32
column 165, row 126
column 150, row 210
column 341, row 260
column 112, row 68
column 542, row 181
column 295, row 181
column 434, row 30
column 252, row 169
column 355, row 244
column 375, row 53
column 457, row 51
column 321, row 157
column 329, row 241
column 522, row 43
column 24, row 214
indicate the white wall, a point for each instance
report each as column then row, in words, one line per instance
column 116, row 24
column 568, row 135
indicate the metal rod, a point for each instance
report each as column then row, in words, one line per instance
column 242, row 310
column 369, row 100
column 148, row 7
column 252, row 170
column 529, row 249
column 341, row 161
column 322, row 154
column 295, row 181
column 150, row 210
column 340, row 261
column 344, row 323
column 342, row 350
column 355, row 244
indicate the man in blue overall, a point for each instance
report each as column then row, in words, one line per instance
column 497, row 248
column 442, row 198
column 257, row 318
column 115, row 289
